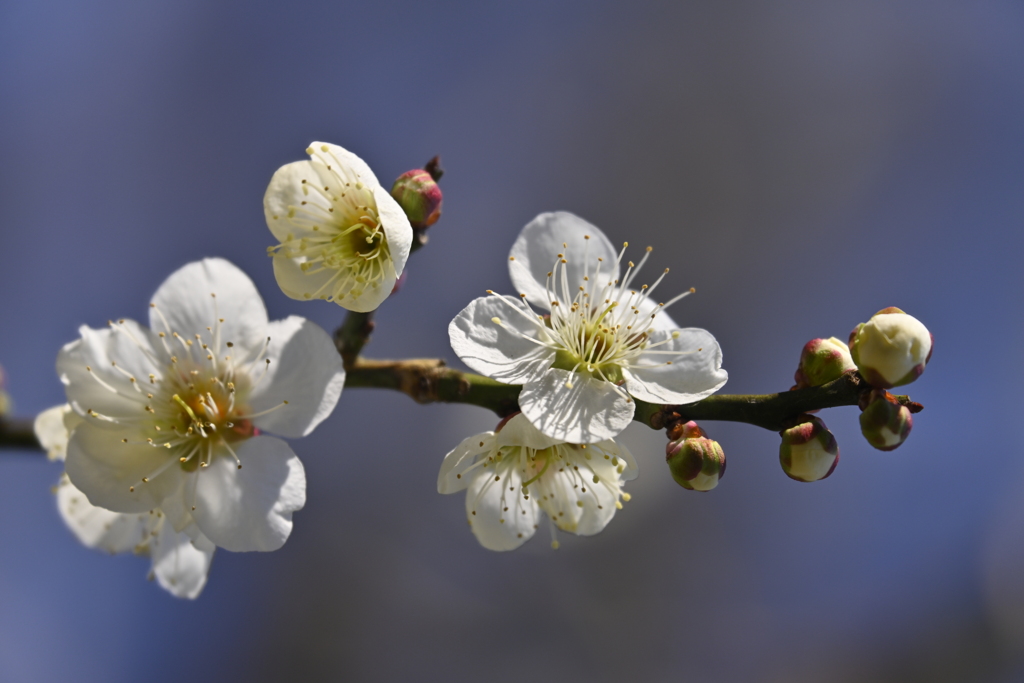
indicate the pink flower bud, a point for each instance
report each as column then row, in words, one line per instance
column 809, row 451
column 884, row 422
column 891, row 349
column 696, row 462
column 420, row 196
column 822, row 361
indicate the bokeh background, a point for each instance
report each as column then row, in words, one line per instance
column 803, row 164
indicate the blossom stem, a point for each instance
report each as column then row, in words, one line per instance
column 17, row 433
column 353, row 335
column 429, row 380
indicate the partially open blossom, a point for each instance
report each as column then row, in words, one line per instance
column 809, row 451
column 695, row 461
column 419, row 195
column 179, row 563
column 513, row 474
column 172, row 414
column 598, row 342
column 343, row 237
column 823, row 360
column 884, row 422
column 891, row 349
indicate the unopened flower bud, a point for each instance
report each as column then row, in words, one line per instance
column 822, row 361
column 884, row 422
column 809, row 451
column 891, row 349
column 696, row 462
column 419, row 195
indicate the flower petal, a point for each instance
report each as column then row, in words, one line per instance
column 97, row 370
column 305, row 370
column 535, row 252
column 96, row 527
column 397, row 229
column 286, row 191
column 587, row 412
column 598, row 499
column 350, row 166
column 695, row 375
column 519, row 431
column 499, row 350
column 299, row 284
column 251, row 508
column 486, row 501
column 53, row 427
column 178, row 565
column 184, row 300
column 451, row 477
column 662, row 320
column 619, row 450
column 106, row 469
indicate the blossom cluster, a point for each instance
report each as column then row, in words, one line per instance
column 172, row 434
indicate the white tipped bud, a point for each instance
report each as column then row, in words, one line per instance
column 809, row 451
column 891, row 349
column 884, row 422
column 822, row 361
column 696, row 462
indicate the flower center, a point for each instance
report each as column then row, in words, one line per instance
column 597, row 327
column 194, row 403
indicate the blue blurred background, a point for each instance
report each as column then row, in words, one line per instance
column 802, row 164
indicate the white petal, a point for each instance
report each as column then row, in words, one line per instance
column 105, row 469
column 565, row 491
column 297, row 283
column 52, row 428
column 396, row 227
column 87, row 368
column 662, row 320
column 350, row 165
column 486, row 500
column 305, row 370
column 535, row 252
column 185, row 302
column 520, row 432
column 619, row 450
column 251, row 508
column 588, row 412
column 179, row 566
column 96, row 527
column 559, row 492
column 320, row 284
column 689, row 378
column 285, row 192
column 494, row 349
column 598, row 500
column 451, row 478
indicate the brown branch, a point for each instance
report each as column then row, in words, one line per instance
column 353, row 335
column 18, row 434
column 429, row 380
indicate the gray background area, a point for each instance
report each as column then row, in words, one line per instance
column 802, row 164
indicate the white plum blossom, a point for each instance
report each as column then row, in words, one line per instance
column 343, row 238
column 513, row 474
column 599, row 342
column 173, row 414
column 178, row 562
